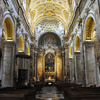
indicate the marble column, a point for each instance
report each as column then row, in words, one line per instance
column 98, row 73
column 67, row 63
column 82, row 62
column 63, row 65
column 8, row 64
column 98, row 43
column 40, row 67
column 58, row 65
column 96, row 8
column 36, row 65
column 32, row 64
column 27, row 66
column 2, row 10
column 71, row 67
column 90, row 68
column 78, row 69
column 21, row 63
column 0, row 70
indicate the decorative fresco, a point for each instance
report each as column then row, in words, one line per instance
column 49, row 62
column 49, row 39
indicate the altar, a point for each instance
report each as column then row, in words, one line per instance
column 49, row 80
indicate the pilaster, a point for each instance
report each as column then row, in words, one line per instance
column 32, row 72
column 67, row 61
column 35, row 63
column 8, row 64
column 71, row 67
column 78, row 69
column 90, row 68
column 63, row 65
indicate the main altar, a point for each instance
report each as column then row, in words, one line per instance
column 49, row 59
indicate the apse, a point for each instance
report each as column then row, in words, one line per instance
column 49, row 39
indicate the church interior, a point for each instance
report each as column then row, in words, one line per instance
column 49, row 49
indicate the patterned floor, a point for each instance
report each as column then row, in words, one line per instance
column 49, row 93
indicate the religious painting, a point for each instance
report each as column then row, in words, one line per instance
column 49, row 62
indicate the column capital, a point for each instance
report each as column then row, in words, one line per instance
column 35, row 53
column 32, row 46
column 66, row 45
column 9, row 43
column 70, row 58
column 63, row 53
column 89, row 43
column 77, row 52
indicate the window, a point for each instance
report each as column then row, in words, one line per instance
column 29, row 18
column 74, row 4
column 24, row 4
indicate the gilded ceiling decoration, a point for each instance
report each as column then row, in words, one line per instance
column 49, row 25
column 42, row 9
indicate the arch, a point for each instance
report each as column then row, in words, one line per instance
column 21, row 44
column 49, row 52
column 49, row 34
column 40, row 18
column 89, row 29
column 77, row 44
column 8, row 31
column 71, row 52
column 27, row 50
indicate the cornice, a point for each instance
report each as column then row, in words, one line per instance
column 21, row 13
column 78, row 11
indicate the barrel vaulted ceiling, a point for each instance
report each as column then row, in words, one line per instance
column 37, row 10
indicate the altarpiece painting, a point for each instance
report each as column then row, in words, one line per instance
column 49, row 62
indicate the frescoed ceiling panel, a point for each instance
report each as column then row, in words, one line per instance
column 58, row 9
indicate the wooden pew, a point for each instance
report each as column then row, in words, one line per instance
column 12, row 97
column 17, row 94
column 76, row 92
column 82, row 93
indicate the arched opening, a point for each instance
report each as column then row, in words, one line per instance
column 49, row 39
column 89, row 29
column 77, row 44
column 8, row 30
column 21, row 44
column 8, row 49
column 91, row 51
column 71, row 52
column 90, row 34
column 7, row 35
column 27, row 51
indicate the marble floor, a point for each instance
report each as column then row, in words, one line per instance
column 49, row 93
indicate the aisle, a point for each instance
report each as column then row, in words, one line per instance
column 49, row 93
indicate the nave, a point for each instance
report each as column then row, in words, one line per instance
column 49, row 40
